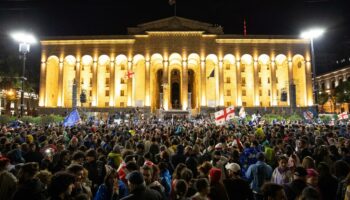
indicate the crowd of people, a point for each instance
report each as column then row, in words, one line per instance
column 175, row 159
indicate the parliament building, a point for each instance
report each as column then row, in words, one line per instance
column 175, row 64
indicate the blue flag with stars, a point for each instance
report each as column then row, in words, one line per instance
column 72, row 119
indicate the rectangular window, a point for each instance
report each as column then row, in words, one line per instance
column 276, row 79
column 122, row 104
column 228, row 92
column 122, row 81
column 261, row 103
column 107, row 93
column 243, row 68
column 90, row 81
column 260, row 93
column 121, row 93
column 90, row 93
column 268, row 92
column 227, row 66
column 106, row 104
column 243, row 81
column 277, row 92
column 244, row 103
column 107, row 82
column 268, row 80
column 228, row 103
column 228, row 80
column 122, row 67
column 107, row 69
column 259, row 80
column 244, row 93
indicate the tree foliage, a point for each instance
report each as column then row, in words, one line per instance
column 342, row 92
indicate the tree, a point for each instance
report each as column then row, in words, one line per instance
column 342, row 92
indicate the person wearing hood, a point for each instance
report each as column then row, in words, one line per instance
column 115, row 157
column 217, row 189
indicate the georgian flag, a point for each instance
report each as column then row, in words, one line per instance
column 129, row 74
column 343, row 115
column 223, row 115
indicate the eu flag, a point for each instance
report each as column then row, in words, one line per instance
column 72, row 118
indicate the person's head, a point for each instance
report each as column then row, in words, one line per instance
column 341, row 169
column 233, row 169
column 260, row 156
column 62, row 184
column 147, row 172
column 282, row 162
column 44, row 176
column 186, row 175
column 272, row 191
column 28, row 171
column 135, row 180
column 91, row 155
column 310, row 193
column 214, row 175
column 300, row 173
column 4, row 162
column 78, row 157
column 205, row 168
column 308, row 162
column 181, row 188
column 312, row 177
column 202, row 186
column 77, row 170
column 111, row 177
column 178, row 169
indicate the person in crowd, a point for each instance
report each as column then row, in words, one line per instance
column 217, row 189
column 180, row 190
column 294, row 189
column 282, row 174
column 61, row 186
column 151, row 181
column 310, row 193
column 8, row 182
column 203, row 189
column 29, row 187
column 109, row 189
column 80, row 185
column 138, row 189
column 273, row 191
column 327, row 183
column 312, row 178
column 235, row 186
column 258, row 174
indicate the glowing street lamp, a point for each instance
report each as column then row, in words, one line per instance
column 24, row 39
column 311, row 35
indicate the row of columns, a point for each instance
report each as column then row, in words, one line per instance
column 219, row 97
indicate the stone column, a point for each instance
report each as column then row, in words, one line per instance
column 274, row 96
column 60, row 101
column 94, row 101
column 290, row 79
column 256, row 84
column 309, row 88
column 78, row 81
column 238, row 83
column 165, row 84
column 129, row 84
column 221, row 84
column 203, row 84
column 184, row 84
column 112, row 84
column 42, row 93
column 147, row 84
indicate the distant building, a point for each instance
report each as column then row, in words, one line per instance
column 175, row 63
column 10, row 103
column 328, row 82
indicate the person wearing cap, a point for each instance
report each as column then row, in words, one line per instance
column 138, row 189
column 217, row 189
column 236, row 187
column 296, row 187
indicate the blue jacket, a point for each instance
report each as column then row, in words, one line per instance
column 253, row 176
column 165, row 180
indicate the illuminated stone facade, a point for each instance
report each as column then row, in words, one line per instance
column 327, row 83
column 172, row 60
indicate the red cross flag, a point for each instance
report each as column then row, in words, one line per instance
column 223, row 115
column 343, row 115
column 129, row 74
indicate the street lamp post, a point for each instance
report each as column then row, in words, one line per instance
column 24, row 40
column 311, row 35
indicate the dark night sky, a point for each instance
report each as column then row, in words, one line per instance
column 112, row 17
